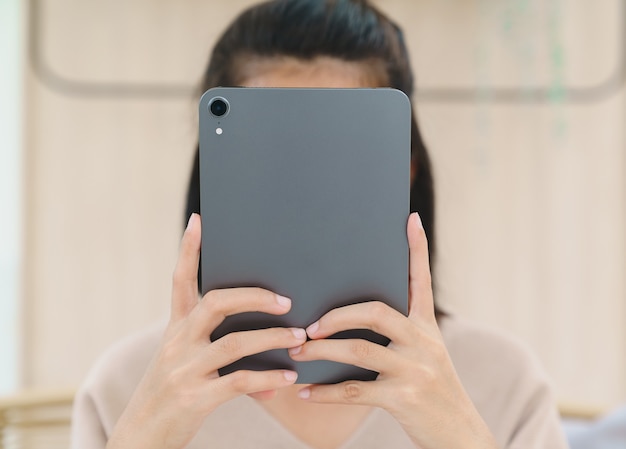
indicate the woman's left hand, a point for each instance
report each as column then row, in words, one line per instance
column 417, row 384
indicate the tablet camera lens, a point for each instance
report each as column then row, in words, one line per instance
column 218, row 107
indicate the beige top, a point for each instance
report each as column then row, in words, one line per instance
column 508, row 386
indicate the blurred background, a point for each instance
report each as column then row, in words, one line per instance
column 521, row 103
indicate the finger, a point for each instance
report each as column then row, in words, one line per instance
column 349, row 392
column 357, row 352
column 236, row 345
column 421, row 302
column 373, row 315
column 245, row 382
column 218, row 304
column 185, row 279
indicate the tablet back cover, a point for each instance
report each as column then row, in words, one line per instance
column 305, row 192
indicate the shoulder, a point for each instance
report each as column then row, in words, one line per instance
column 476, row 347
column 506, row 382
column 127, row 359
column 490, row 361
column 115, row 375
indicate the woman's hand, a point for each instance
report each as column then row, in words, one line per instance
column 417, row 384
column 181, row 386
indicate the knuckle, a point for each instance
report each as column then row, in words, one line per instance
column 360, row 349
column 212, row 303
column 229, row 344
column 212, row 297
column 439, row 352
column 426, row 382
column 352, row 391
column 433, row 346
column 440, row 358
column 378, row 309
column 168, row 352
column 260, row 295
column 429, row 379
column 378, row 313
column 408, row 394
column 175, row 379
column 239, row 381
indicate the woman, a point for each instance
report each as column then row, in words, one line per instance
column 443, row 383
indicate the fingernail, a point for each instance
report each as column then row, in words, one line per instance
column 313, row 328
column 300, row 334
column 283, row 301
column 294, row 351
column 190, row 222
column 305, row 393
column 419, row 220
column 290, row 375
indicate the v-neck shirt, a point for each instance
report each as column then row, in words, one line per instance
column 504, row 380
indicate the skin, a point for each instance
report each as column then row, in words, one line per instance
column 417, row 385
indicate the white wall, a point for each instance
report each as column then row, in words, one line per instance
column 528, row 154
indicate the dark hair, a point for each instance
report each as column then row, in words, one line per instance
column 351, row 30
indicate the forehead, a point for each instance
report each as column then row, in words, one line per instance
column 321, row 71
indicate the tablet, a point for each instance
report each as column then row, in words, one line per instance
column 305, row 192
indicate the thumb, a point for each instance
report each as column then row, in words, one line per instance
column 421, row 303
column 185, row 280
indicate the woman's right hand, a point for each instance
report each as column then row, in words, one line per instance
column 181, row 386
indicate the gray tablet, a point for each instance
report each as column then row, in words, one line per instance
column 305, row 192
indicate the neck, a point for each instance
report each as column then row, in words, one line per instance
column 323, row 426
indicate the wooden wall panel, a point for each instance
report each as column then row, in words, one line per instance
column 530, row 183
